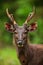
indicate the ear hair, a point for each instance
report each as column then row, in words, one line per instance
column 32, row 26
column 9, row 27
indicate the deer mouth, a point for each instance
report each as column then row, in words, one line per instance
column 20, row 45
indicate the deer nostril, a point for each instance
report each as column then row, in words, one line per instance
column 20, row 42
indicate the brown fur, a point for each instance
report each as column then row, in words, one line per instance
column 31, row 54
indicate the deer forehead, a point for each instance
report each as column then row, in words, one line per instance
column 20, row 29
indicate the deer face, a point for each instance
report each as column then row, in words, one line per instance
column 20, row 32
column 20, row 35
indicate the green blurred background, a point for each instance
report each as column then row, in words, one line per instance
column 20, row 9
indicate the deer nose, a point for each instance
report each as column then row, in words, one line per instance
column 19, row 42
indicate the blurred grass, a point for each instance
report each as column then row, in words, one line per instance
column 8, row 56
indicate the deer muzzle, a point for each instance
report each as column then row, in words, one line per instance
column 20, row 43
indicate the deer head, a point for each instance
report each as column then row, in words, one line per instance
column 20, row 32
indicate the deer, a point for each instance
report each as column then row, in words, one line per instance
column 28, row 54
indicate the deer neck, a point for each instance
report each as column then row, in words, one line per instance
column 25, row 53
column 22, row 55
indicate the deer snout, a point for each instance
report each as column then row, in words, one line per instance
column 20, row 43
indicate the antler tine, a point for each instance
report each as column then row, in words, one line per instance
column 10, row 16
column 30, row 16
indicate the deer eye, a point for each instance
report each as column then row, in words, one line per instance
column 15, row 32
column 25, row 32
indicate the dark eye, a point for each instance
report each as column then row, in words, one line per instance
column 25, row 32
column 16, row 38
column 15, row 32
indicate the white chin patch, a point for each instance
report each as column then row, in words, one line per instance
column 20, row 45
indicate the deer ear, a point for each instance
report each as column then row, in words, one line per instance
column 9, row 27
column 32, row 26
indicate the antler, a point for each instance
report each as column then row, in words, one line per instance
column 10, row 16
column 30, row 16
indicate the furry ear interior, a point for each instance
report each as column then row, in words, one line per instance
column 32, row 26
column 9, row 27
